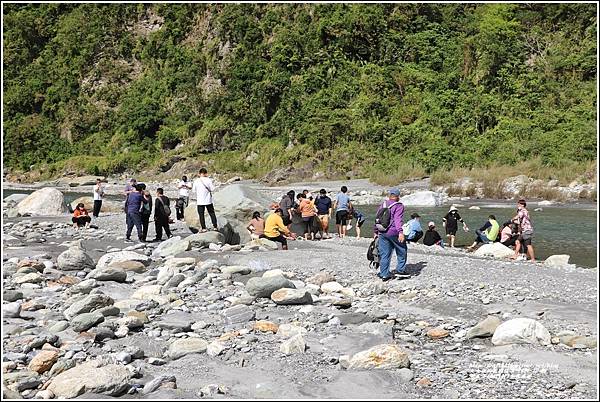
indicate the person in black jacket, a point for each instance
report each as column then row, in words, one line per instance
column 145, row 211
column 161, row 219
column 432, row 237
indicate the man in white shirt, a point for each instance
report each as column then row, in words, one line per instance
column 98, row 194
column 184, row 197
column 204, row 188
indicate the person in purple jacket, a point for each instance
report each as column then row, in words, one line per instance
column 392, row 238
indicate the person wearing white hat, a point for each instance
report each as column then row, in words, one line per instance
column 451, row 224
column 432, row 237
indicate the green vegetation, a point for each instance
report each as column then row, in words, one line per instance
column 390, row 91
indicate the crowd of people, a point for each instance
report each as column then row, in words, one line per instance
column 313, row 215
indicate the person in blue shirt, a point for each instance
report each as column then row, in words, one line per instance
column 134, row 217
column 415, row 232
column 342, row 205
column 323, row 205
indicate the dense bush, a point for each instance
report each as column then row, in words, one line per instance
column 375, row 86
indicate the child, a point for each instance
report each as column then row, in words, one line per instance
column 432, row 237
column 81, row 217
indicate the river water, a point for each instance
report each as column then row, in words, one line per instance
column 558, row 229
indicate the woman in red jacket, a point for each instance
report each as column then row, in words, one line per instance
column 81, row 217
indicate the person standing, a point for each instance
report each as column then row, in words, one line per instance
column 161, row 217
column 134, row 217
column 391, row 238
column 204, row 199
column 451, row 224
column 287, row 205
column 98, row 195
column 129, row 188
column 323, row 205
column 308, row 212
column 184, row 188
column 525, row 230
column 341, row 205
column 145, row 211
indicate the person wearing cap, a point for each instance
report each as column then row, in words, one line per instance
column 323, row 205
column 451, row 224
column 272, row 208
column 275, row 230
column 432, row 237
column 391, row 238
column 487, row 233
column 525, row 231
column 415, row 232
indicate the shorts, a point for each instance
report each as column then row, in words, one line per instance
column 526, row 238
column 341, row 218
column 451, row 231
column 360, row 223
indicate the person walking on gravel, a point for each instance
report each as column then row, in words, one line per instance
column 204, row 188
column 388, row 230
column 161, row 217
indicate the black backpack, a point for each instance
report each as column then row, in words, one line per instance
column 373, row 254
column 384, row 217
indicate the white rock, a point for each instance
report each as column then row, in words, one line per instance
column 295, row 344
column 109, row 258
column 215, row 348
column 521, row 330
column 288, row 330
column 331, row 287
column 496, row 250
column 44, row 202
column 558, row 260
column 423, row 199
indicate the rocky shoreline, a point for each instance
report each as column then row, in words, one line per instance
column 86, row 314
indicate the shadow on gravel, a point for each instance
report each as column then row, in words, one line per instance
column 415, row 269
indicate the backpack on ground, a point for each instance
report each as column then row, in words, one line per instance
column 406, row 228
column 383, row 219
column 373, row 254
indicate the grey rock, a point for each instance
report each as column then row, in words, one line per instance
column 291, row 296
column 111, row 379
column 11, row 310
column 204, row 239
column 108, row 274
column 182, row 347
column 22, row 380
column 58, row 327
column 264, row 287
column 74, row 259
column 293, row 345
column 153, row 385
column 406, row 375
column 238, row 314
column 85, row 321
column 88, row 304
column 353, row 318
column 485, row 328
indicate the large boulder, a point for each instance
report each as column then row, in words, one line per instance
column 204, row 239
column 15, row 198
column 521, row 330
column 265, row 286
column 109, row 258
column 423, row 199
column 496, row 250
column 386, row 356
column 173, row 246
column 111, row 379
column 74, row 259
column 107, row 205
column 234, row 205
column 47, row 201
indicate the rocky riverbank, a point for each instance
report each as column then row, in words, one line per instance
column 86, row 314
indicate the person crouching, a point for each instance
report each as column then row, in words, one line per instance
column 81, row 217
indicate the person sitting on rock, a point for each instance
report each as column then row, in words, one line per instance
column 509, row 233
column 487, row 233
column 414, row 230
column 275, row 229
column 256, row 227
column 432, row 237
column 81, row 217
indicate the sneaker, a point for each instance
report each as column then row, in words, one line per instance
column 401, row 275
column 520, row 258
column 387, row 278
column 128, row 240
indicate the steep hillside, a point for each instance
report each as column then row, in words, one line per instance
column 335, row 89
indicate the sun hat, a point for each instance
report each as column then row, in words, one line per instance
column 431, row 224
column 394, row 191
column 453, row 208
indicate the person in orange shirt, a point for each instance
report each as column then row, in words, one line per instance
column 81, row 217
column 308, row 211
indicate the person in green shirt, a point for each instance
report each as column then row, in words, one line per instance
column 487, row 233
